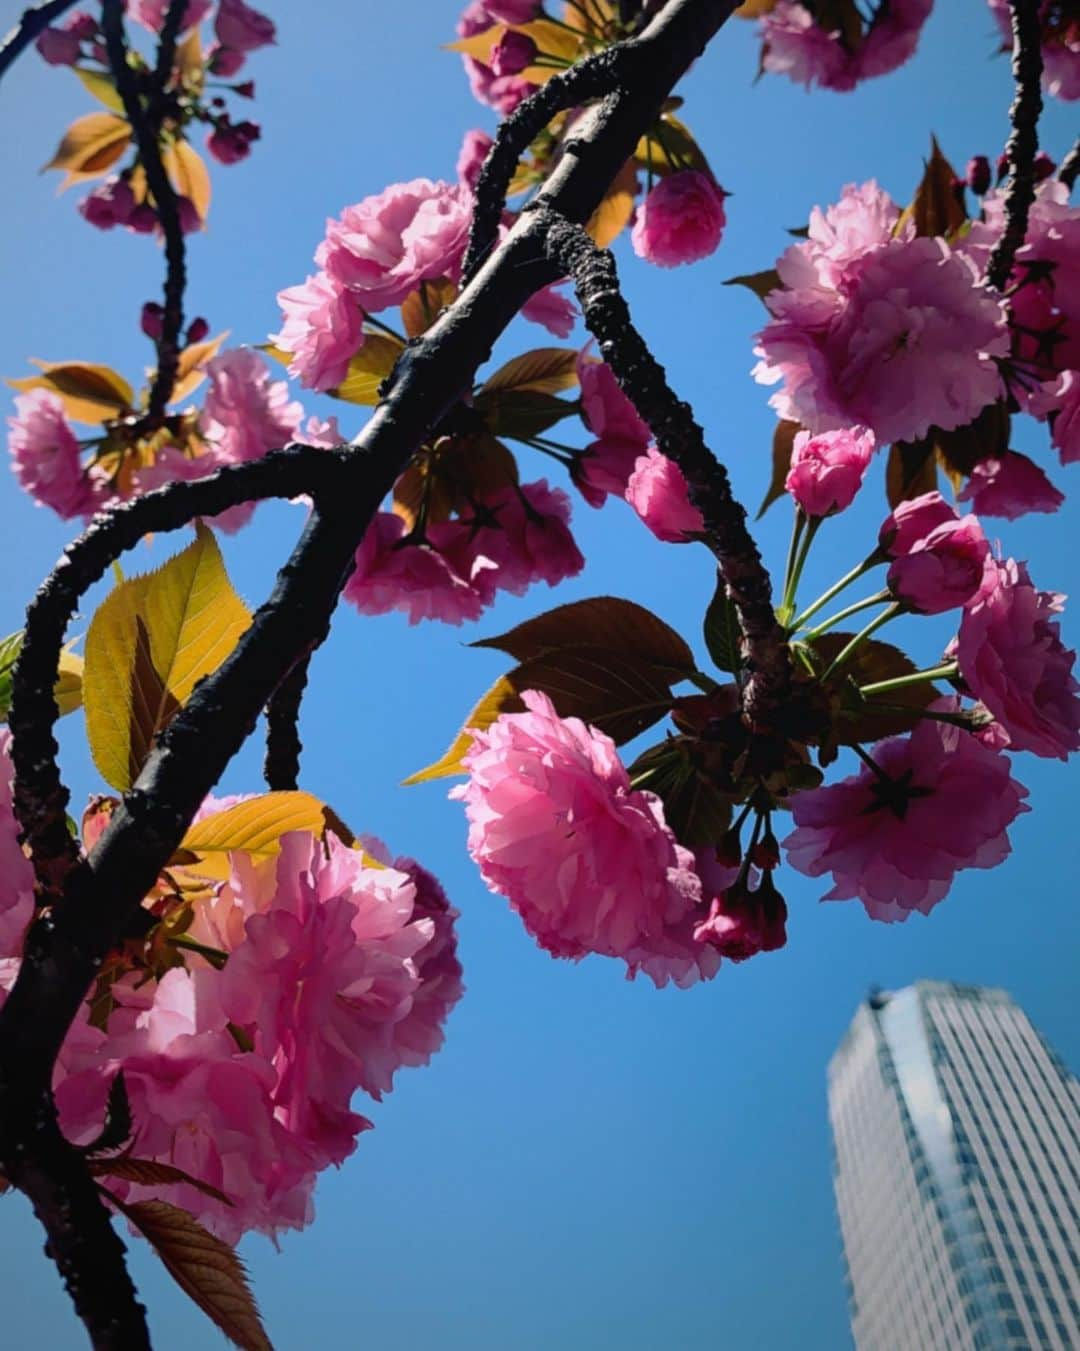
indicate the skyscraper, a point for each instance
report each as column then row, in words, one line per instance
column 956, row 1134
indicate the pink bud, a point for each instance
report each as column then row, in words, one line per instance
column 153, row 317
column 513, row 11
column 1043, row 166
column 242, row 28
column 978, row 175
column 512, row 53
column 912, row 521
column 245, row 90
column 827, row 470
column 944, row 570
column 224, row 61
column 681, row 220
column 59, row 47
column 197, row 330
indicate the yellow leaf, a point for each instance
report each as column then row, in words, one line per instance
column 421, row 308
column 99, row 84
column 90, row 393
column 255, row 827
column 90, row 146
column 480, row 44
column 545, row 370
column 148, row 644
column 189, row 60
column 754, row 9
column 367, row 370
column 551, row 40
column 204, row 1267
column 68, row 688
column 188, row 175
column 501, row 698
column 189, row 372
column 613, row 214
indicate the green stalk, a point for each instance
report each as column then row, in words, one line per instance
column 912, row 678
column 876, row 599
column 890, row 612
column 871, row 561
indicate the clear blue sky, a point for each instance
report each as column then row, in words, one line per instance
column 589, row 1161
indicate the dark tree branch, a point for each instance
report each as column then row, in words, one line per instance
column 166, row 52
column 281, row 767
column 146, row 129
column 642, row 379
column 40, row 796
column 33, row 23
column 1070, row 167
column 1023, row 142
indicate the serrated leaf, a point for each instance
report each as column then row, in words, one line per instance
column 616, row 209
column 89, row 391
column 782, row 445
column 421, row 307
column 189, row 370
column 601, row 621
column 148, row 644
column 522, row 413
column 937, row 208
column 761, row 283
column 368, row 369
column 861, row 718
column 551, row 40
column 189, row 175
column 151, row 1173
column 101, row 86
column 544, row 370
column 204, row 1267
column 669, row 147
column 90, row 147
column 501, row 698
column 189, row 60
column 255, row 827
column 117, row 1128
column 723, row 636
column 694, row 807
column 910, row 471
column 68, row 688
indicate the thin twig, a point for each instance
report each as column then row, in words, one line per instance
column 30, row 26
column 281, row 767
column 1023, row 142
column 1070, row 167
column 147, row 132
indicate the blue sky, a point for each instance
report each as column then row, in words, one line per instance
column 588, row 1161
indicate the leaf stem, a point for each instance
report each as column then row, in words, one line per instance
column 391, row 332
column 876, row 599
column 890, row 612
column 870, row 561
column 943, row 672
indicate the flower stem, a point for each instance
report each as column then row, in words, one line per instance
column 378, row 323
column 890, row 612
column 942, row 672
column 871, row 763
column 789, row 567
column 870, row 561
column 876, row 599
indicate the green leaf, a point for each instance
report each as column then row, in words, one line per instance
column 761, row 283
column 723, row 635
column 602, row 621
column 102, row 87
column 783, row 441
column 545, row 370
column 152, row 639
column 522, row 413
column 204, row 1267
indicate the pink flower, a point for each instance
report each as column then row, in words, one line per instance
column 658, row 493
column 681, row 219
column 501, row 92
column 528, row 541
column 45, row 455
column 242, row 28
column 151, row 13
column 1066, row 420
column 246, row 413
column 474, row 150
column 742, row 922
column 230, row 142
column 171, row 465
column 798, row 45
column 385, row 246
column 586, row 861
column 323, row 331
column 912, row 521
column 897, row 842
column 944, row 570
column 551, row 310
column 1009, row 485
column 827, row 470
column 513, row 11
column 1012, row 657
column 605, row 465
column 512, row 53
column 898, row 338
column 224, row 62
column 415, row 578
column 16, row 874
column 59, row 46
column 109, row 204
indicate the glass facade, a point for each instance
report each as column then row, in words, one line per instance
column 956, row 1135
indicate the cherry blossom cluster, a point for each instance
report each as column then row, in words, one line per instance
column 122, row 199
column 249, row 1015
column 840, row 45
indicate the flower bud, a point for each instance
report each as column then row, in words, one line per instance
column 978, row 175
column 1042, row 166
column 512, row 53
column 152, row 320
column 197, row 330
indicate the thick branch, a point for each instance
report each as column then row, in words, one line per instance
column 1023, row 142
column 147, row 129
column 678, row 435
column 33, row 23
column 281, row 767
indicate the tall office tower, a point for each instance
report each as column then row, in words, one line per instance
column 957, row 1171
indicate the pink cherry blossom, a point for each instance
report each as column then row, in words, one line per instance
column 513, row 11
column 911, row 521
column 657, row 490
column 242, row 28
column 473, row 152
column 415, row 578
column 1066, row 418
column 1009, row 485
column 382, row 248
column 512, row 53
column 827, row 470
column 944, row 570
column 586, row 861
column 60, row 46
column 743, row 921
column 528, row 541
column 45, row 455
column 898, row 338
column 896, row 842
column 551, row 310
column 16, row 874
column 246, row 413
column 151, row 13
column 224, row 62
column 501, row 92
column 109, row 204
column 681, row 219
column 622, row 437
column 798, row 45
column 1012, row 657
column 323, row 330
column 172, row 465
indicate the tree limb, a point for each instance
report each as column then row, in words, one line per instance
column 281, row 767
column 30, row 26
